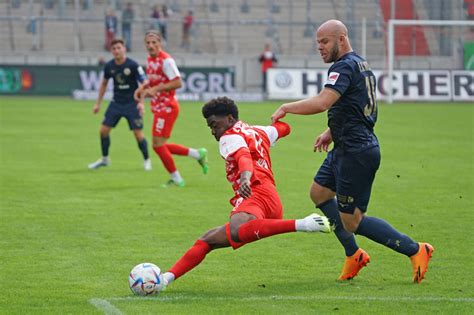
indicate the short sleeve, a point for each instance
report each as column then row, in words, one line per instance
column 107, row 72
column 141, row 74
column 170, row 69
column 271, row 132
column 229, row 144
column 339, row 77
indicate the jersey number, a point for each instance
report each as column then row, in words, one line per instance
column 371, row 107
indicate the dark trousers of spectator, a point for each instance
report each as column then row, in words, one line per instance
column 264, row 83
column 109, row 36
column 127, row 36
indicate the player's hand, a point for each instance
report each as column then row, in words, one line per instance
column 323, row 141
column 278, row 114
column 141, row 108
column 244, row 190
column 137, row 94
column 96, row 108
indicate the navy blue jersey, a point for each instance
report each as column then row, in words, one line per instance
column 352, row 118
column 126, row 77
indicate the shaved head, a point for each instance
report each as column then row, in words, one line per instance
column 334, row 27
column 333, row 41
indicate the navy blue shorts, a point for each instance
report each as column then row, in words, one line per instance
column 350, row 175
column 115, row 111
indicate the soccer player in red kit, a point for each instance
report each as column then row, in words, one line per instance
column 163, row 80
column 257, row 211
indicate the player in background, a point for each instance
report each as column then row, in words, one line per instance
column 126, row 74
column 163, row 81
column 342, row 185
column 257, row 211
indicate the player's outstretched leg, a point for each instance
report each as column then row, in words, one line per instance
column 420, row 261
column 199, row 155
column 212, row 239
column 254, row 230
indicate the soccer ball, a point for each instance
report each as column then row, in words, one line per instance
column 146, row 279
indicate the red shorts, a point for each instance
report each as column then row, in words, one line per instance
column 163, row 122
column 264, row 203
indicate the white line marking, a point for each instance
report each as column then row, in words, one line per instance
column 105, row 306
column 165, row 298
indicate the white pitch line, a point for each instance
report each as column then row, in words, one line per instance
column 105, row 306
column 281, row 297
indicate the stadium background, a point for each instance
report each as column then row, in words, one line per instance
column 228, row 36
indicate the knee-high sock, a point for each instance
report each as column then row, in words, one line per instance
column 347, row 239
column 383, row 233
column 166, row 158
column 142, row 145
column 105, row 144
column 190, row 259
column 177, row 149
column 260, row 228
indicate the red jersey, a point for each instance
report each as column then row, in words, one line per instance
column 162, row 69
column 258, row 140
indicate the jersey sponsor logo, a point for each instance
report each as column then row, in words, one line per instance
column 332, row 78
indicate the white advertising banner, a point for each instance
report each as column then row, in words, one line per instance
column 407, row 85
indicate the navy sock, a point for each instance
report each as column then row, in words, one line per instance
column 347, row 239
column 383, row 233
column 143, row 146
column 105, row 144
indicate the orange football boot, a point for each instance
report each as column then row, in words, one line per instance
column 420, row 261
column 354, row 264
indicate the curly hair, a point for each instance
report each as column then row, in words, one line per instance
column 221, row 106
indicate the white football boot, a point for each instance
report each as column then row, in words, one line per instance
column 104, row 161
column 314, row 223
column 147, row 165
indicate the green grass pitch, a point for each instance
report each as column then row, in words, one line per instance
column 70, row 236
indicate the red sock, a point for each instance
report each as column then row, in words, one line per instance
column 190, row 259
column 177, row 149
column 166, row 158
column 261, row 228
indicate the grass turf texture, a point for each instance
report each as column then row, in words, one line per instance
column 70, row 235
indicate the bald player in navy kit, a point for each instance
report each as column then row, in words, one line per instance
column 343, row 183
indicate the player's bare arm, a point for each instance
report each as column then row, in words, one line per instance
column 102, row 88
column 313, row 105
column 163, row 87
column 137, row 95
column 323, row 141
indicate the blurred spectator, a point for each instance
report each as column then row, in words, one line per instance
column 111, row 23
column 165, row 14
column 155, row 18
column 187, row 24
column 469, row 6
column 268, row 60
column 101, row 61
column 127, row 19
